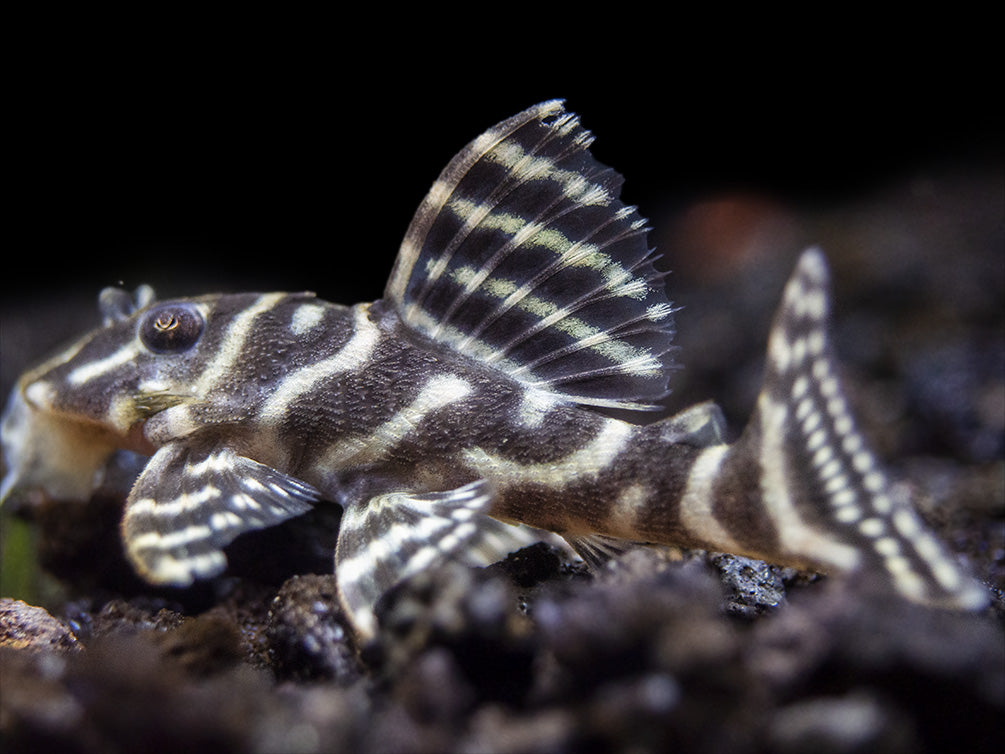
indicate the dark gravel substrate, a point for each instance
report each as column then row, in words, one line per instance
column 660, row 651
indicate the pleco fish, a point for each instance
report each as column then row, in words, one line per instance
column 523, row 304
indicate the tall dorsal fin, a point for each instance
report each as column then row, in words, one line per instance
column 523, row 256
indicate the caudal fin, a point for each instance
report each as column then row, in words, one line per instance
column 829, row 500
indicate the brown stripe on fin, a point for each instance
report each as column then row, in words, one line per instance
column 823, row 489
column 523, row 256
column 390, row 537
column 193, row 499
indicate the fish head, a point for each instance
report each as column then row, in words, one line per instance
column 66, row 417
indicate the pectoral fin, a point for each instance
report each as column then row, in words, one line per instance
column 393, row 536
column 191, row 500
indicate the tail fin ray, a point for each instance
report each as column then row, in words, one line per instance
column 821, row 483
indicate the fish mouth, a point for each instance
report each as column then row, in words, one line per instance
column 53, row 453
column 46, row 456
column 121, row 424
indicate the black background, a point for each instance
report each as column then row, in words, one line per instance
column 202, row 154
column 199, row 155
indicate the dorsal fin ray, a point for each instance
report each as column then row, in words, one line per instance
column 523, row 256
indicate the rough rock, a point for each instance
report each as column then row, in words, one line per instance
column 23, row 626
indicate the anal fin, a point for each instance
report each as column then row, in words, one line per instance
column 597, row 549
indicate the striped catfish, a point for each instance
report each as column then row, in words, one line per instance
column 476, row 395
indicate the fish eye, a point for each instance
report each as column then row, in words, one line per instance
column 171, row 328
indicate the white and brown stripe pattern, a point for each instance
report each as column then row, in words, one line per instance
column 523, row 256
column 190, row 502
column 827, row 497
column 524, row 290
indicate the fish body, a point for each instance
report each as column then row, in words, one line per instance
column 475, row 396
